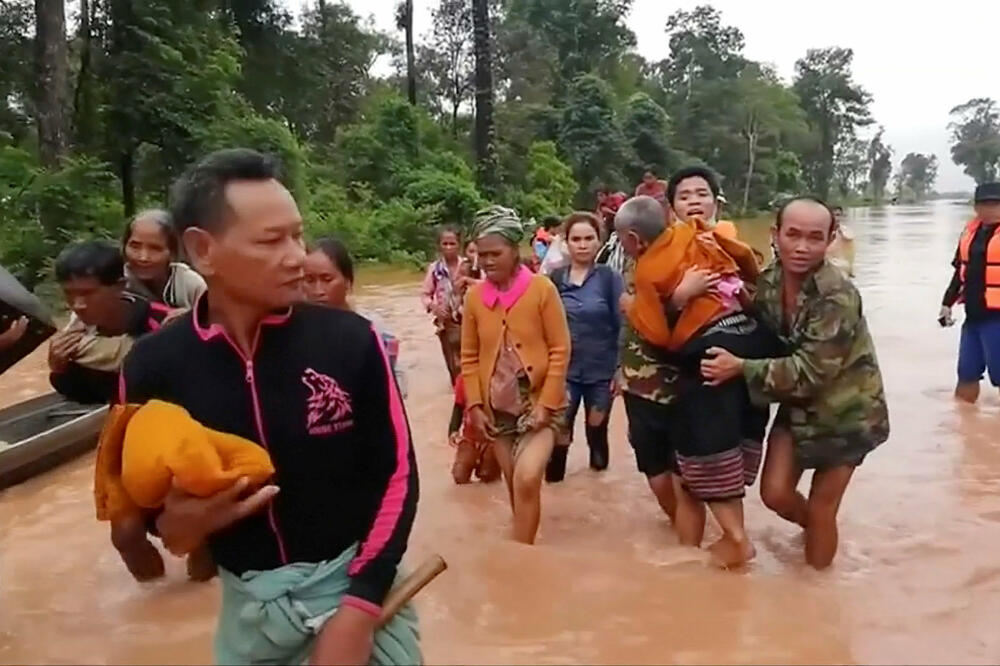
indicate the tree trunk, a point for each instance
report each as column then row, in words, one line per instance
column 751, row 159
column 51, row 68
column 81, row 96
column 411, row 71
column 484, row 131
column 126, row 175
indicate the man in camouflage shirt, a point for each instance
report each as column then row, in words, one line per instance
column 832, row 403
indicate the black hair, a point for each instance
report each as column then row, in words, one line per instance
column 692, row 172
column 91, row 259
column 447, row 229
column 162, row 219
column 338, row 254
column 805, row 197
column 551, row 222
column 198, row 198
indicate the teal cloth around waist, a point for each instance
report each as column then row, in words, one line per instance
column 273, row 617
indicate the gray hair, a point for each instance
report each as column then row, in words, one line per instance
column 643, row 215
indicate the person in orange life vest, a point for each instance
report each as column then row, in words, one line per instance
column 976, row 282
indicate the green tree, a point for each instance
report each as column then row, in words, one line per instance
column 835, row 107
column 975, row 142
column 701, row 48
column 17, row 65
column 646, row 129
column 485, row 130
column 404, row 22
column 585, row 34
column 549, row 187
column 589, row 135
column 449, row 60
column 769, row 116
column 917, row 174
column 880, row 166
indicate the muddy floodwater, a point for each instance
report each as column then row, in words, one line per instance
column 917, row 579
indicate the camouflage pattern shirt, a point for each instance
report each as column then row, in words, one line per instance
column 830, row 387
column 643, row 373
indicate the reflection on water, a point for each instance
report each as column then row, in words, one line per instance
column 917, row 579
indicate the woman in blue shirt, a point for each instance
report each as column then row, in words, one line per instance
column 590, row 295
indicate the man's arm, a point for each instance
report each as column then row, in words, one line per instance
column 827, row 337
column 381, row 420
column 954, row 289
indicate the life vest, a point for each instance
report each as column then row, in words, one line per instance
column 992, row 261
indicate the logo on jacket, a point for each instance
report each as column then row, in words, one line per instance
column 329, row 407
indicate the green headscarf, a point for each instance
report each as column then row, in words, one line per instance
column 498, row 220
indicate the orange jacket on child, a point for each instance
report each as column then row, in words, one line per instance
column 143, row 449
column 660, row 269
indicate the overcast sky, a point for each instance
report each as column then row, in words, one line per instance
column 918, row 63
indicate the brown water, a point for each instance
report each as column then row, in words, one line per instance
column 917, row 579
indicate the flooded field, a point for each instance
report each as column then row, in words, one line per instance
column 917, row 579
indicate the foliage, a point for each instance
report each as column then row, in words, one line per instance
column 81, row 193
column 549, row 186
column 976, row 138
column 646, row 129
column 916, row 177
column 590, row 137
column 835, row 108
column 880, row 166
column 448, row 60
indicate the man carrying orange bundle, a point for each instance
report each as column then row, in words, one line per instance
column 313, row 386
column 690, row 287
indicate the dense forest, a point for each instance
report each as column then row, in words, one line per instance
column 532, row 103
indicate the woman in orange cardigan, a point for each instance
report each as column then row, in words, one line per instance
column 515, row 354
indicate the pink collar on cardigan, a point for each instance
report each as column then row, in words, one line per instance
column 492, row 295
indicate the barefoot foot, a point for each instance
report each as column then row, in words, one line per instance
column 729, row 554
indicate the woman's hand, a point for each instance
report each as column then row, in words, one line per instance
column 480, row 423
column 945, row 317
column 696, row 281
column 539, row 418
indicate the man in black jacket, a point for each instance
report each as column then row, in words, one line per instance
column 311, row 384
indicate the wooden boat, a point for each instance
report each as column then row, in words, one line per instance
column 40, row 433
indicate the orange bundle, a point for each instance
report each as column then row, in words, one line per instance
column 143, row 449
column 660, row 269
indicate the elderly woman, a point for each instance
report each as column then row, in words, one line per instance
column 515, row 353
column 150, row 247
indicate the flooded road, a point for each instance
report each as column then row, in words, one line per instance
column 917, row 579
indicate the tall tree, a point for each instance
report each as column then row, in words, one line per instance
column 917, row 174
column 835, row 107
column 449, row 60
column 976, row 138
column 17, row 62
column 585, row 34
column 701, row 48
column 767, row 113
column 52, row 67
column 646, row 129
column 486, row 158
column 271, row 69
column 590, row 136
column 404, row 22
column 880, row 166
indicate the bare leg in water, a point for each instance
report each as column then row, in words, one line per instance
column 780, row 478
column 734, row 549
column 825, row 495
column 818, row 514
column 689, row 516
column 662, row 486
column 524, row 480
